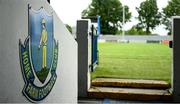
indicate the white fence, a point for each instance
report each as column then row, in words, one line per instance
column 133, row 38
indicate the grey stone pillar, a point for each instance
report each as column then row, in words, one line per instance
column 84, row 57
column 176, row 59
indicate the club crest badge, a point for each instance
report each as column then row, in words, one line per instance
column 38, row 55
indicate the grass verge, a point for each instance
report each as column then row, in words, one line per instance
column 134, row 61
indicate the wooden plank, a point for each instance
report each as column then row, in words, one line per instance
column 129, row 94
column 130, row 83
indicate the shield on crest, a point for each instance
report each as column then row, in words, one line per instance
column 41, row 42
column 39, row 55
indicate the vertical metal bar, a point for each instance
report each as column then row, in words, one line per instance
column 123, row 22
column 92, row 45
column 99, row 25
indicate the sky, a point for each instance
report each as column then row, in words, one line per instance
column 69, row 11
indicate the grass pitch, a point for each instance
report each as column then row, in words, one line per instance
column 134, row 60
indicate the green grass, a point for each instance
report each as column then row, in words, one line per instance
column 134, row 60
column 42, row 75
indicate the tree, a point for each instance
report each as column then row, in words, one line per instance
column 135, row 31
column 111, row 12
column 172, row 9
column 149, row 17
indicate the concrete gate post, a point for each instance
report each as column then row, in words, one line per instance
column 176, row 58
column 84, row 56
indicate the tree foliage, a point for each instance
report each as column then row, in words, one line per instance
column 172, row 9
column 149, row 17
column 69, row 28
column 135, row 31
column 111, row 12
